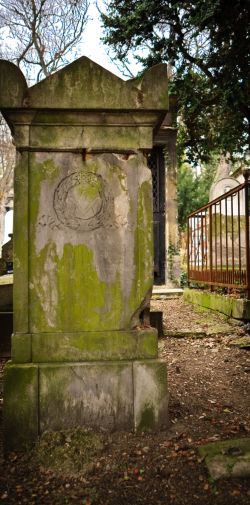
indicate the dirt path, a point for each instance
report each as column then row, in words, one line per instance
column 209, row 400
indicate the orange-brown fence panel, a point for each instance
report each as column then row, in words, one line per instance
column 218, row 241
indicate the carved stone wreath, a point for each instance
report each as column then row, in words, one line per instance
column 81, row 201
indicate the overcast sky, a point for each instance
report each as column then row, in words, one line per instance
column 93, row 47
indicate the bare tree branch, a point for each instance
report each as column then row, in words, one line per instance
column 44, row 31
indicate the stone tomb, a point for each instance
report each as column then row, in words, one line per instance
column 83, row 353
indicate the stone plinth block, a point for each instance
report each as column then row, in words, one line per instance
column 107, row 395
column 85, row 346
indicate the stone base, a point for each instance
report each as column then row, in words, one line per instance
column 232, row 307
column 84, row 346
column 111, row 395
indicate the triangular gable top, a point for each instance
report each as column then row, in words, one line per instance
column 84, row 84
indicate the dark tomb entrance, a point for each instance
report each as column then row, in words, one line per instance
column 157, row 166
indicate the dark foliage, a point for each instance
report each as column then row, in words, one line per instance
column 206, row 42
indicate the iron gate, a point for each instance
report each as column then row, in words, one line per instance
column 157, row 166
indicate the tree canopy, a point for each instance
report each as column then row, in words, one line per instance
column 193, row 188
column 206, row 43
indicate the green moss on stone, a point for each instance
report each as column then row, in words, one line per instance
column 13, row 85
column 147, row 422
column 21, row 348
column 91, row 346
column 232, row 307
column 143, row 246
column 20, row 414
column 83, row 84
column 20, row 250
column 225, row 447
column 227, row 458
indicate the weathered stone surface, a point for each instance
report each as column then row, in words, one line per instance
column 227, row 459
column 92, row 346
column 20, row 414
column 91, row 137
column 91, row 240
column 185, row 334
column 21, row 348
column 153, row 87
column 232, row 307
column 110, row 395
column 21, row 245
column 83, row 248
column 150, row 395
column 99, row 395
column 85, row 84
column 13, row 86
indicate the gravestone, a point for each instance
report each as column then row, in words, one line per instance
column 83, row 352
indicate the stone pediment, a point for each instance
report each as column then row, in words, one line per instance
column 84, row 84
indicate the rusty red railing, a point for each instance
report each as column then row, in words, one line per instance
column 218, row 241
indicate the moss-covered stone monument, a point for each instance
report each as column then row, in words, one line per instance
column 83, row 353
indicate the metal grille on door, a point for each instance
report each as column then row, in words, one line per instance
column 157, row 166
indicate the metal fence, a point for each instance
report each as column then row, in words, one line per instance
column 218, row 241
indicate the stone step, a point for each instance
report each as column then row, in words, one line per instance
column 163, row 292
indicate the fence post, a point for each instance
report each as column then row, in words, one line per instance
column 210, row 246
column 188, row 251
column 246, row 177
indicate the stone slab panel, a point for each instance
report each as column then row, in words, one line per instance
column 141, row 117
column 21, row 348
column 150, row 395
column 91, row 247
column 93, row 346
column 99, row 395
column 20, row 413
column 79, row 137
